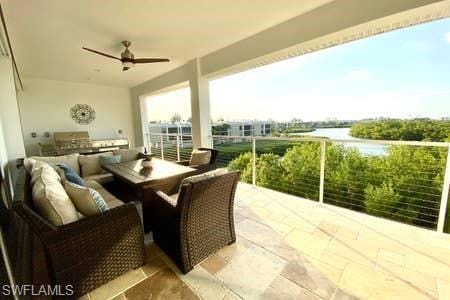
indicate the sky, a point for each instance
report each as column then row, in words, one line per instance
column 400, row 74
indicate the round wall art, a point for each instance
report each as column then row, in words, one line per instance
column 82, row 114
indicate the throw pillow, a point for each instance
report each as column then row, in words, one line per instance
column 110, row 160
column 87, row 200
column 90, row 164
column 50, row 198
column 70, row 174
column 200, row 157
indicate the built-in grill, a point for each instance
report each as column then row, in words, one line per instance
column 80, row 142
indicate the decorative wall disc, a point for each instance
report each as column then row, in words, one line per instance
column 82, row 114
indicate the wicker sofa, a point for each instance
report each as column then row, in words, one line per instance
column 86, row 253
column 196, row 222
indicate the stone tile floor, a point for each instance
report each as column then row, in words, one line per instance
column 291, row 248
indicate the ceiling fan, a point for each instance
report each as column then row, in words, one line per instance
column 127, row 58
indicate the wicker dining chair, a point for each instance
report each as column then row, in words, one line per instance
column 196, row 222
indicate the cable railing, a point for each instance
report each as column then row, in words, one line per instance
column 405, row 181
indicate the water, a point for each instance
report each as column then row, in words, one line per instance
column 344, row 134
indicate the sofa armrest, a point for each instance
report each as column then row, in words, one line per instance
column 98, row 237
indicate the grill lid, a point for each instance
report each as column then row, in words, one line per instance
column 71, row 137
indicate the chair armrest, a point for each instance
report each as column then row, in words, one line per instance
column 96, row 236
column 183, row 162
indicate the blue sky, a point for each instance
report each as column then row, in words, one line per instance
column 404, row 73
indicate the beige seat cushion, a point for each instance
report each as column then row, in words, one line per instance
column 127, row 154
column 90, row 164
column 110, row 199
column 71, row 160
column 200, row 157
column 101, row 178
column 50, row 198
column 88, row 201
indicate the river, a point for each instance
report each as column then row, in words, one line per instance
column 344, row 134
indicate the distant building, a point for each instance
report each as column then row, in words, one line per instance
column 235, row 128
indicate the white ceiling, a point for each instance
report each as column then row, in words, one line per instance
column 47, row 35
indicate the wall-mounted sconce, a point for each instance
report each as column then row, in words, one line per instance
column 33, row 134
column 47, row 134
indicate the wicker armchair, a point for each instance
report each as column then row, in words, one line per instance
column 87, row 253
column 203, row 168
column 196, row 223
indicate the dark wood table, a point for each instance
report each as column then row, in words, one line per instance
column 163, row 175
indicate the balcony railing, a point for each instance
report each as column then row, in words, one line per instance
column 406, row 181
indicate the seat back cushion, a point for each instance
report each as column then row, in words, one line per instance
column 70, row 175
column 90, row 164
column 204, row 176
column 50, row 198
column 127, row 154
column 87, row 200
column 200, row 157
column 70, row 160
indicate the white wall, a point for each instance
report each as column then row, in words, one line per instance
column 11, row 141
column 45, row 107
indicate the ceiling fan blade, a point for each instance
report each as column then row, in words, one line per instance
column 125, row 68
column 100, row 53
column 149, row 60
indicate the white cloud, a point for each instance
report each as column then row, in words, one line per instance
column 357, row 75
column 447, row 37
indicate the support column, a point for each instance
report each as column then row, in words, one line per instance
column 200, row 109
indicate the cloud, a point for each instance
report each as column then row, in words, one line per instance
column 447, row 37
column 357, row 75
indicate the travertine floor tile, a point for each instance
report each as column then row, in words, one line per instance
column 361, row 281
column 204, row 284
column 282, row 288
column 427, row 263
column 162, row 285
column 118, row 285
column 334, row 260
column 390, row 257
column 310, row 244
column 443, row 287
column 153, row 265
column 120, row 297
column 234, row 250
column 257, row 233
column 251, row 273
column 311, row 276
column 214, row 264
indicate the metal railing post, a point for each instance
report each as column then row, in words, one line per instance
column 253, row 160
column 178, row 148
column 444, row 196
column 161, row 146
column 149, row 143
column 323, row 152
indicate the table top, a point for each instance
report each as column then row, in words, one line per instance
column 134, row 173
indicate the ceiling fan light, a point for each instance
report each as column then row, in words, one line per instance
column 127, row 64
